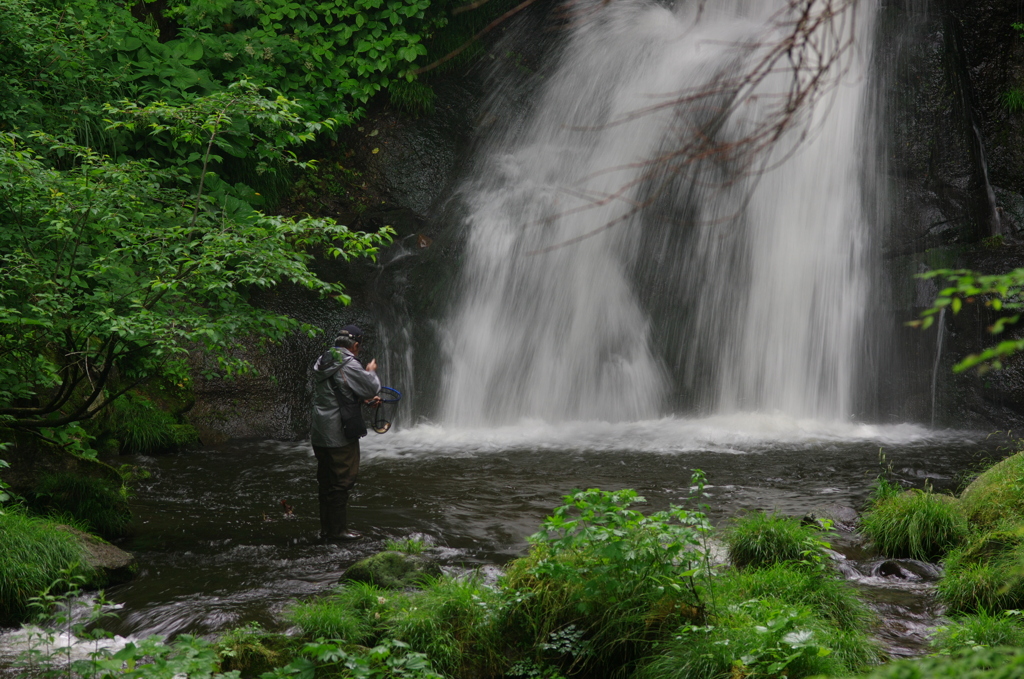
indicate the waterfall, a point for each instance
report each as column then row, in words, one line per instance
column 596, row 288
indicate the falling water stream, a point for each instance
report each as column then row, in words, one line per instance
column 710, row 318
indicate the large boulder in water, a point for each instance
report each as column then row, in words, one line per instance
column 393, row 570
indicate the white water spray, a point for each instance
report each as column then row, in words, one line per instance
column 749, row 297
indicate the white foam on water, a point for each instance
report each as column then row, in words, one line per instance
column 740, row 433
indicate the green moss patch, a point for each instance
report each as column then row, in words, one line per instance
column 997, row 494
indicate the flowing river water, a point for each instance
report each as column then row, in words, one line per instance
column 217, row 550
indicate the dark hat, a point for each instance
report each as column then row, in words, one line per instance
column 351, row 332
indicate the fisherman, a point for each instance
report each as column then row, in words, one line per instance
column 339, row 380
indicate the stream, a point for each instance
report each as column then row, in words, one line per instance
column 217, row 550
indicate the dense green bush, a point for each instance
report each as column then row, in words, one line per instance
column 914, row 524
column 34, row 554
column 759, row 540
column 96, row 505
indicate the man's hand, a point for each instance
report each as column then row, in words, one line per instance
column 372, row 365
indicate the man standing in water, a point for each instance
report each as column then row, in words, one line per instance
column 338, row 379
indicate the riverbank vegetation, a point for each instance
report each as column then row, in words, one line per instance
column 605, row 591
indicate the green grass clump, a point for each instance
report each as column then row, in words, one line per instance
column 997, row 494
column 346, row 614
column 914, row 524
column 34, row 553
column 981, row 663
column 144, row 428
column 981, row 629
column 453, row 621
column 987, row 574
column 96, row 505
column 759, row 540
column 823, row 591
column 406, row 546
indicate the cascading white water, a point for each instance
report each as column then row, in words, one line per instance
column 746, row 294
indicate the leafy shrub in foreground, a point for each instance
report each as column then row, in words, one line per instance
column 34, row 554
column 914, row 524
column 759, row 540
column 602, row 579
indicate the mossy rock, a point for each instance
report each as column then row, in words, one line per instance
column 393, row 570
column 998, row 494
column 111, row 565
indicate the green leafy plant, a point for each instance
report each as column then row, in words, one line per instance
column 1002, row 293
column 613, row 573
column 389, row 659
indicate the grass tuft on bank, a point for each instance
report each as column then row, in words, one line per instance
column 759, row 540
column 34, row 554
column 914, row 524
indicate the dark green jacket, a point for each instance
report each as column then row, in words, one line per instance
column 357, row 383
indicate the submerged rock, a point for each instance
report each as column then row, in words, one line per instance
column 393, row 570
column 843, row 517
